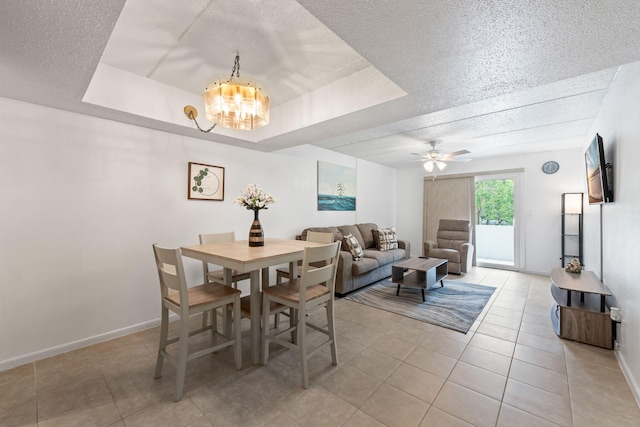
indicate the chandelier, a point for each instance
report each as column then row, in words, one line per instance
column 233, row 103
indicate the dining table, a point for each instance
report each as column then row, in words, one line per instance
column 239, row 256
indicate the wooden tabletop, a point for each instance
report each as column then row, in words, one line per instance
column 586, row 281
column 238, row 255
column 421, row 264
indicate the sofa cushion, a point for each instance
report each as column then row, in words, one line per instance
column 363, row 265
column 398, row 254
column 353, row 230
column 337, row 235
column 382, row 257
column 386, row 239
column 353, row 246
column 366, row 231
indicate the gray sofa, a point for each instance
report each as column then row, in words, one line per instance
column 373, row 266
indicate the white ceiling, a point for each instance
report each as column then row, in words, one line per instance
column 372, row 80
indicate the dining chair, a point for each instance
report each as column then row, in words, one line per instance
column 188, row 301
column 312, row 236
column 314, row 288
column 218, row 274
column 284, row 273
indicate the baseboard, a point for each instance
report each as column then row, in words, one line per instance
column 633, row 384
column 75, row 345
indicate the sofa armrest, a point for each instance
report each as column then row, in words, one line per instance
column 466, row 257
column 428, row 245
column 406, row 245
column 343, row 273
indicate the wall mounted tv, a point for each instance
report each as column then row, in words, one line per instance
column 598, row 188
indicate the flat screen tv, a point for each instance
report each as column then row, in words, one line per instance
column 597, row 184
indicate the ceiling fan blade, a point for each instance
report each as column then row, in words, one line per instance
column 457, row 153
column 454, row 159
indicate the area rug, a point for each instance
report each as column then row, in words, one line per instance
column 455, row 306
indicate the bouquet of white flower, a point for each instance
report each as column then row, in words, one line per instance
column 254, row 198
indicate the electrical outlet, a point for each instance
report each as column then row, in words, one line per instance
column 617, row 346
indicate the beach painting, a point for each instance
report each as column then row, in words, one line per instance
column 336, row 187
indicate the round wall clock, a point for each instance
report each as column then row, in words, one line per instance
column 550, row 167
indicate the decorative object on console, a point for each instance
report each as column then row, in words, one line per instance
column 205, row 182
column 233, row 103
column 574, row 266
column 550, row 167
column 336, row 187
column 255, row 199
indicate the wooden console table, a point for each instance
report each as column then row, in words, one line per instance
column 586, row 320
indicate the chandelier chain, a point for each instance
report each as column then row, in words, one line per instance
column 236, row 67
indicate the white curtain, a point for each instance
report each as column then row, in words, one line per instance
column 447, row 198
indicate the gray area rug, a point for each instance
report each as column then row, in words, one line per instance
column 455, row 306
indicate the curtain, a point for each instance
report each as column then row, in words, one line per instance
column 447, row 198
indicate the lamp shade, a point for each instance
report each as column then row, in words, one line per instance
column 573, row 203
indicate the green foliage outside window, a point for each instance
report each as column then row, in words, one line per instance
column 494, row 202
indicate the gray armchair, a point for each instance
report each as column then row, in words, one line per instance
column 454, row 244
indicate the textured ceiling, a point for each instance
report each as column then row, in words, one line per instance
column 369, row 79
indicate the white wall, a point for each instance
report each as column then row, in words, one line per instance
column 540, row 204
column 84, row 198
column 619, row 125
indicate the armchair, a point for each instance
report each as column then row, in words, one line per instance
column 454, row 245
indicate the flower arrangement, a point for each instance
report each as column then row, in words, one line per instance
column 254, row 198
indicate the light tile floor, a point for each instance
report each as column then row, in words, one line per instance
column 509, row 370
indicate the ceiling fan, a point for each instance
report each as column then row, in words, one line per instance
column 435, row 160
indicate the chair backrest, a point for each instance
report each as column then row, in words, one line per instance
column 453, row 233
column 214, row 238
column 319, row 237
column 218, row 237
column 171, row 272
column 313, row 275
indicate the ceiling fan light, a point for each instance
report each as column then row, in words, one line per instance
column 441, row 165
column 428, row 166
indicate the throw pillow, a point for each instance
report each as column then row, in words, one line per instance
column 386, row 239
column 353, row 246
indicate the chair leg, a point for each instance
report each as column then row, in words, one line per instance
column 182, row 357
column 205, row 319
column 162, row 346
column 331, row 323
column 214, row 325
column 293, row 321
column 265, row 328
column 237, row 328
column 302, row 347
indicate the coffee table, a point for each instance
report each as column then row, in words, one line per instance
column 426, row 273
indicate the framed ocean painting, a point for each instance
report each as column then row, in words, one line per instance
column 336, row 187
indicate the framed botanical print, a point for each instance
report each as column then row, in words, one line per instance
column 206, row 182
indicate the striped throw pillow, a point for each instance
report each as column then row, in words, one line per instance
column 352, row 245
column 387, row 239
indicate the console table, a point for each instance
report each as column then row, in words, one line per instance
column 584, row 319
